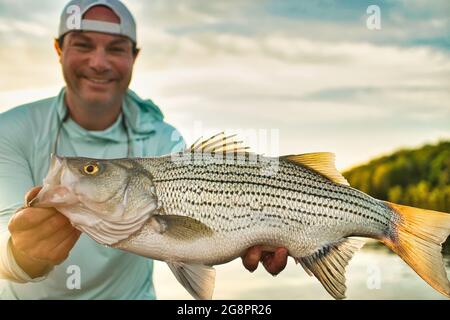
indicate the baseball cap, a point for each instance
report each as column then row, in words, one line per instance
column 72, row 18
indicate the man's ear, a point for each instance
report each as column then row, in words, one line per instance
column 136, row 53
column 57, row 47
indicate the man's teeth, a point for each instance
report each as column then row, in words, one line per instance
column 99, row 80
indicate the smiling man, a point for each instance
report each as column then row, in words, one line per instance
column 41, row 255
column 97, row 68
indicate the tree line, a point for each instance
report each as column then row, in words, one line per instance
column 414, row 177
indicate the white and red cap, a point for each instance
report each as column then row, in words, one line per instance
column 72, row 19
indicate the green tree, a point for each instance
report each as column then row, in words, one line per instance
column 415, row 177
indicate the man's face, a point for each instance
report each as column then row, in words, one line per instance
column 97, row 67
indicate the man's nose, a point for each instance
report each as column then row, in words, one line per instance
column 99, row 60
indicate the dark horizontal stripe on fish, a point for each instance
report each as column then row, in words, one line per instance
column 284, row 197
column 189, row 168
column 311, row 176
column 292, row 168
column 283, row 207
column 344, row 199
column 327, row 187
column 241, row 165
column 265, row 217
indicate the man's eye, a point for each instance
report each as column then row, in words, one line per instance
column 117, row 49
column 82, row 45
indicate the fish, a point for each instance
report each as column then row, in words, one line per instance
column 208, row 204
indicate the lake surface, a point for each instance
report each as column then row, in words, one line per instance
column 373, row 273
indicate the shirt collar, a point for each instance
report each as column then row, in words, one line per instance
column 141, row 117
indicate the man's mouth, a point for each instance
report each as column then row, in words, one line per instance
column 98, row 80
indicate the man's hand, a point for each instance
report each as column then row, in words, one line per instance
column 40, row 237
column 274, row 262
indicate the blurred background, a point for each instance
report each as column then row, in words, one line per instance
column 310, row 71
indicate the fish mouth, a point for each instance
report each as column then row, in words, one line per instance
column 53, row 196
column 54, row 192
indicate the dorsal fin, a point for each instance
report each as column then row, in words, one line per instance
column 321, row 162
column 219, row 143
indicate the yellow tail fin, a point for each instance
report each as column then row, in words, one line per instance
column 417, row 239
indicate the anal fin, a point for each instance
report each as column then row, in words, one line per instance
column 197, row 279
column 328, row 264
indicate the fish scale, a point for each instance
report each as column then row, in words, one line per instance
column 288, row 183
column 244, row 198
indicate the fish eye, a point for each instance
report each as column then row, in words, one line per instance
column 91, row 169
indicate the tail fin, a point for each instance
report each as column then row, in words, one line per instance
column 417, row 239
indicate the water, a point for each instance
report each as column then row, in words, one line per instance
column 373, row 273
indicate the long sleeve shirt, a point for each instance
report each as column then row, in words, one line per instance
column 28, row 135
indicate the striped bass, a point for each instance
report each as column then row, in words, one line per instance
column 208, row 204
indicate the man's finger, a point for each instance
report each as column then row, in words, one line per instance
column 60, row 236
column 61, row 252
column 32, row 194
column 38, row 237
column 52, row 226
column 251, row 258
column 28, row 218
column 276, row 262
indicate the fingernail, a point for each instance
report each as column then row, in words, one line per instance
column 253, row 269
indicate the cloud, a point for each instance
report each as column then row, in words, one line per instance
column 410, row 23
column 17, row 97
column 369, row 101
column 413, row 100
column 312, row 70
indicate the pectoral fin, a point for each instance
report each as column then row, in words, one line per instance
column 199, row 280
column 181, row 227
column 328, row 265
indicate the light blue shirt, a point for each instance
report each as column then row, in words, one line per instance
column 27, row 137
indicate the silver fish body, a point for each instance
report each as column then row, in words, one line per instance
column 255, row 201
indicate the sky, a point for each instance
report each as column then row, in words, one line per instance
column 289, row 76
